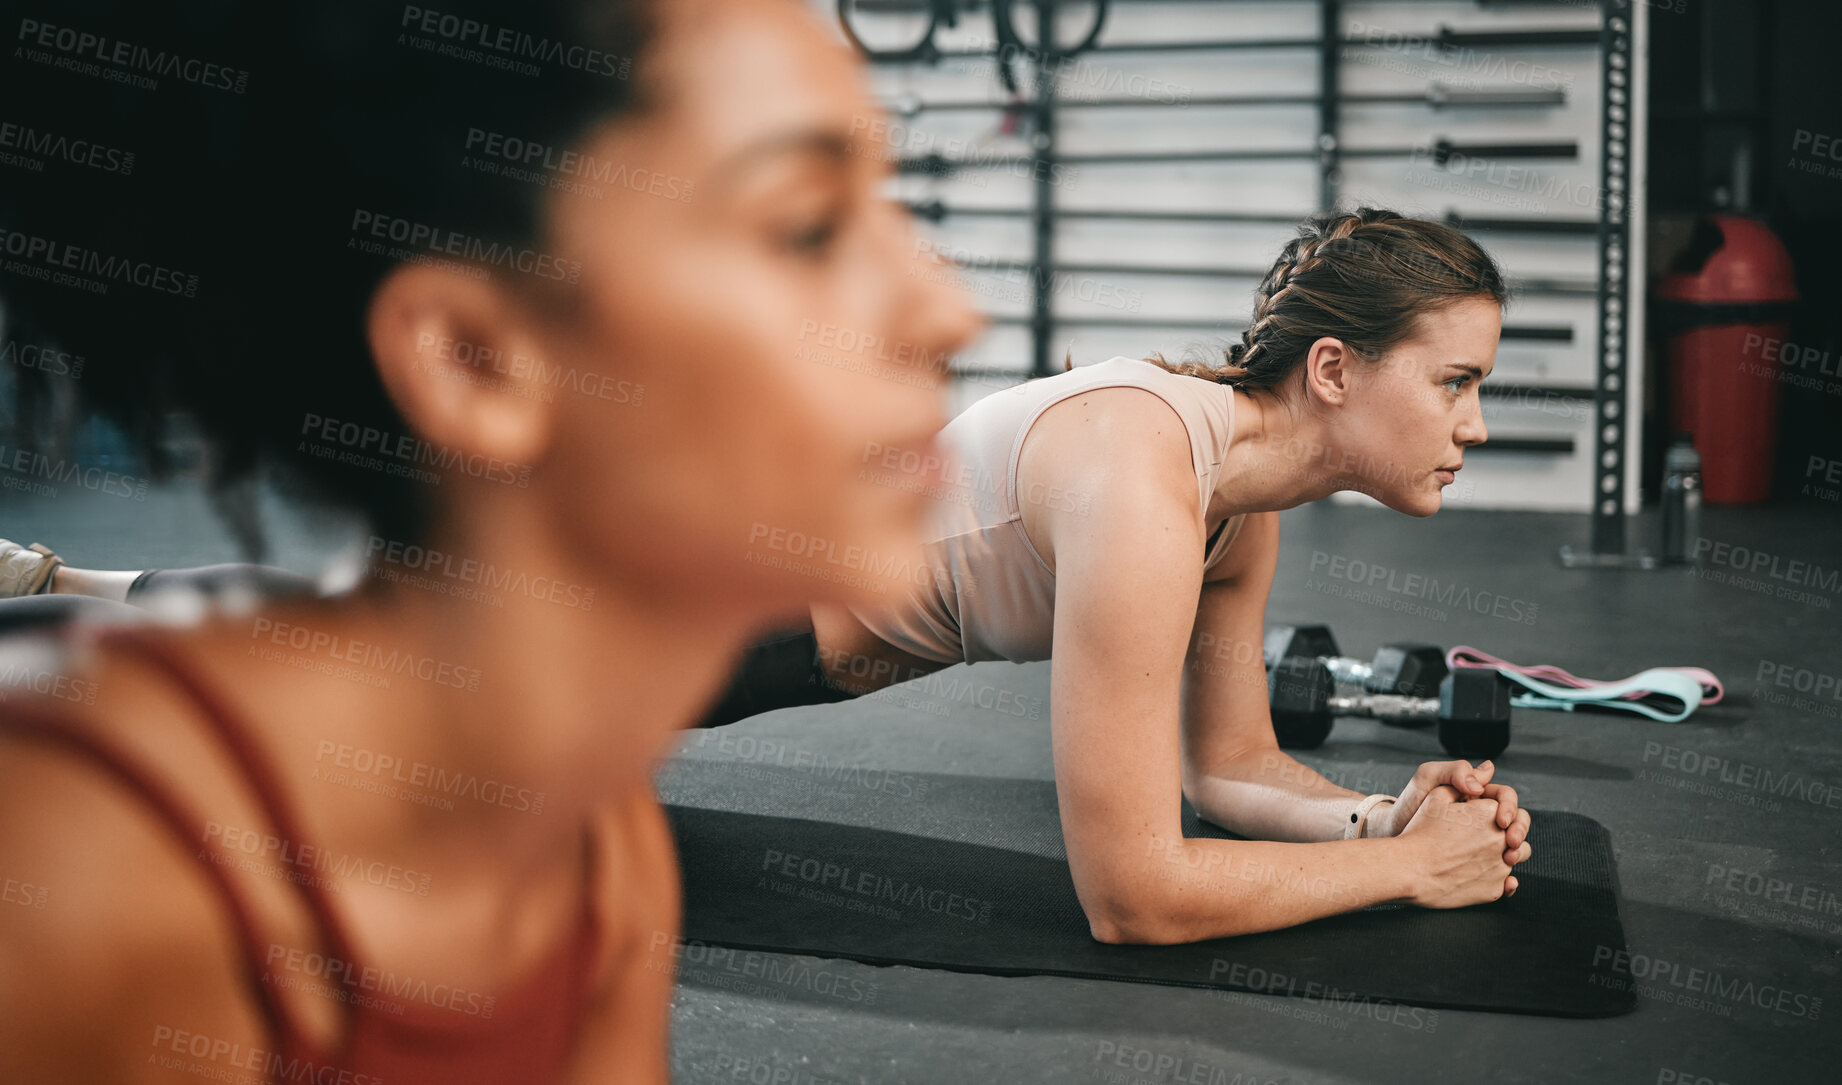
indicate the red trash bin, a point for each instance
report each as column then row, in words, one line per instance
column 1728, row 299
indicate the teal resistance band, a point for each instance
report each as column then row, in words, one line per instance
column 1660, row 687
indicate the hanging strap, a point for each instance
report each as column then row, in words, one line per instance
column 1668, row 694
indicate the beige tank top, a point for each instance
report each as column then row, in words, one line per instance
column 986, row 593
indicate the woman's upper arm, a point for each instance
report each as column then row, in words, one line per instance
column 1127, row 576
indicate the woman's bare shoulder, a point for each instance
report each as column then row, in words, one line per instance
column 1111, row 452
column 113, row 938
column 1111, row 418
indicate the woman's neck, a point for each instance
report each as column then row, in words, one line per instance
column 1274, row 460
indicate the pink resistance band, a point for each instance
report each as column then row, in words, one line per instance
column 1465, row 656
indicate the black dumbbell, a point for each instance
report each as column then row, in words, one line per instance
column 1410, row 670
column 1472, row 708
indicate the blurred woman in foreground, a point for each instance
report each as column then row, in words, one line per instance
column 531, row 287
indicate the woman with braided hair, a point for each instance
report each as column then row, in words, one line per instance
column 1126, row 513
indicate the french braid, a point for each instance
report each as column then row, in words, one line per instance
column 1361, row 277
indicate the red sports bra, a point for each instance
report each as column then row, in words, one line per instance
column 421, row 1033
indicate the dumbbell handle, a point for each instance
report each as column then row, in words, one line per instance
column 1386, row 706
column 1347, row 671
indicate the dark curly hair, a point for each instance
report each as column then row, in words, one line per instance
column 201, row 224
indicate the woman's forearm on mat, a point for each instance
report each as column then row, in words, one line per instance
column 1189, row 890
column 1267, row 794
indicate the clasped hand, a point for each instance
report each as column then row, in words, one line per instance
column 1437, row 804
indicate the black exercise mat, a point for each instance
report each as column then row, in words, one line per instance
column 967, row 874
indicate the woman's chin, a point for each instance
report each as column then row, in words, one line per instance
column 1421, row 503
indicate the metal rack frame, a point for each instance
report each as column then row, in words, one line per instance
column 1611, row 393
column 1612, row 444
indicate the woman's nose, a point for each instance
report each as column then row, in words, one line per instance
column 943, row 318
column 1472, row 430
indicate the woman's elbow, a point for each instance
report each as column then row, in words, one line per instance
column 1193, row 789
column 1124, row 921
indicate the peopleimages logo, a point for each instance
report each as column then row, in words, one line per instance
column 523, row 375
column 47, row 683
column 187, row 1048
column 81, row 47
column 1420, row 586
column 715, row 964
column 511, row 43
column 27, row 140
column 57, row 363
column 299, row 859
column 750, row 751
column 1254, row 978
column 1467, row 61
column 1743, row 782
column 1122, row 1064
column 1671, row 982
column 376, row 226
column 1753, row 560
column 347, row 980
column 23, row 894
column 418, row 774
column 586, row 168
column 871, row 886
column 22, row 469
column 1782, row 891
column 411, row 452
column 475, row 573
column 364, row 653
column 40, row 254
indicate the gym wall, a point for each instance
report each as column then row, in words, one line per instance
column 1540, row 412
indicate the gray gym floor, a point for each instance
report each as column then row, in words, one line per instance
column 1767, row 603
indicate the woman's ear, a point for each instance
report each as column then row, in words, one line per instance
column 1327, row 371
column 461, row 361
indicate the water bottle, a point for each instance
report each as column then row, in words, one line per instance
column 1681, row 501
